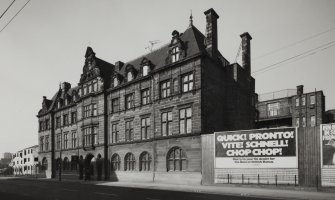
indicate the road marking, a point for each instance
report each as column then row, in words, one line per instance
column 108, row 194
column 70, row 190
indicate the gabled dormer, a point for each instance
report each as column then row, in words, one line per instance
column 131, row 73
column 116, row 79
column 146, row 67
column 176, row 48
column 90, row 69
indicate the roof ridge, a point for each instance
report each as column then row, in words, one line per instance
column 144, row 55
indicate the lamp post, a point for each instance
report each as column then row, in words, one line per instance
column 60, row 156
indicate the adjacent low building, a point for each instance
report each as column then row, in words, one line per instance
column 25, row 161
column 291, row 108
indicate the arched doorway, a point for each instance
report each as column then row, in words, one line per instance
column 44, row 164
column 89, row 166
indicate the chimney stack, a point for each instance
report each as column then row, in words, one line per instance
column 300, row 90
column 211, row 40
column 66, row 86
column 246, row 54
column 119, row 65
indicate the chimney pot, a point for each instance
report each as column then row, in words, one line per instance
column 211, row 40
column 300, row 90
column 119, row 65
column 246, row 53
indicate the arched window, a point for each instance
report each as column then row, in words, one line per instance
column 74, row 162
column 130, row 76
column 66, row 163
column 129, row 162
column 145, row 70
column 116, row 162
column 176, row 159
column 145, row 161
column 115, row 82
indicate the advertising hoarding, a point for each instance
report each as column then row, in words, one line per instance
column 261, row 148
column 327, row 145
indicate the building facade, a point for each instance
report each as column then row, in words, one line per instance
column 290, row 108
column 25, row 161
column 145, row 117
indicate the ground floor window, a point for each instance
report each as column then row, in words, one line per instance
column 44, row 164
column 176, row 159
column 145, row 161
column 116, row 162
column 129, row 162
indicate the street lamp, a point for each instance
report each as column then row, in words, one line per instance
column 60, row 155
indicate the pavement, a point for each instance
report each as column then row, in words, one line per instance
column 271, row 192
column 237, row 190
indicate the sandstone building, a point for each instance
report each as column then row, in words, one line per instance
column 145, row 117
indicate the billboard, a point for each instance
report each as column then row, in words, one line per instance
column 328, row 145
column 261, row 148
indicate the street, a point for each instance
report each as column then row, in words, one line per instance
column 45, row 189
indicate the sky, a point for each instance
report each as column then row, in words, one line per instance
column 46, row 42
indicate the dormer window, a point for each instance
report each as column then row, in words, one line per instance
column 115, row 82
column 130, row 76
column 175, row 54
column 145, row 70
column 59, row 104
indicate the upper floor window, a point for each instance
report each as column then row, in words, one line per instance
column 129, row 162
column 59, row 141
column 129, row 101
column 90, row 110
column 145, row 161
column 145, row 70
column 130, row 76
column 47, row 124
column 90, row 135
column 47, row 143
column 185, row 120
column 95, row 86
column 115, row 133
column 94, row 109
column 187, row 82
column 65, row 140
column 41, row 143
column 87, row 111
column 165, row 90
column 313, row 121
column 176, row 160
column 312, row 99
column 145, row 96
column 57, row 122
column 273, row 109
column 166, row 123
column 303, row 101
column 303, row 121
column 175, row 54
column 145, row 128
column 65, row 120
column 297, row 122
column 74, row 139
column 129, row 131
column 297, row 103
column 73, row 117
column 115, row 105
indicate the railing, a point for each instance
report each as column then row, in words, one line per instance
column 277, row 94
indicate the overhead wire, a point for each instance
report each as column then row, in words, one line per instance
column 7, row 9
column 15, row 16
column 293, row 44
column 297, row 57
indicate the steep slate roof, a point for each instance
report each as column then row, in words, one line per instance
column 193, row 40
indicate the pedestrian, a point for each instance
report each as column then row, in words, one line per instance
column 99, row 167
column 81, row 167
